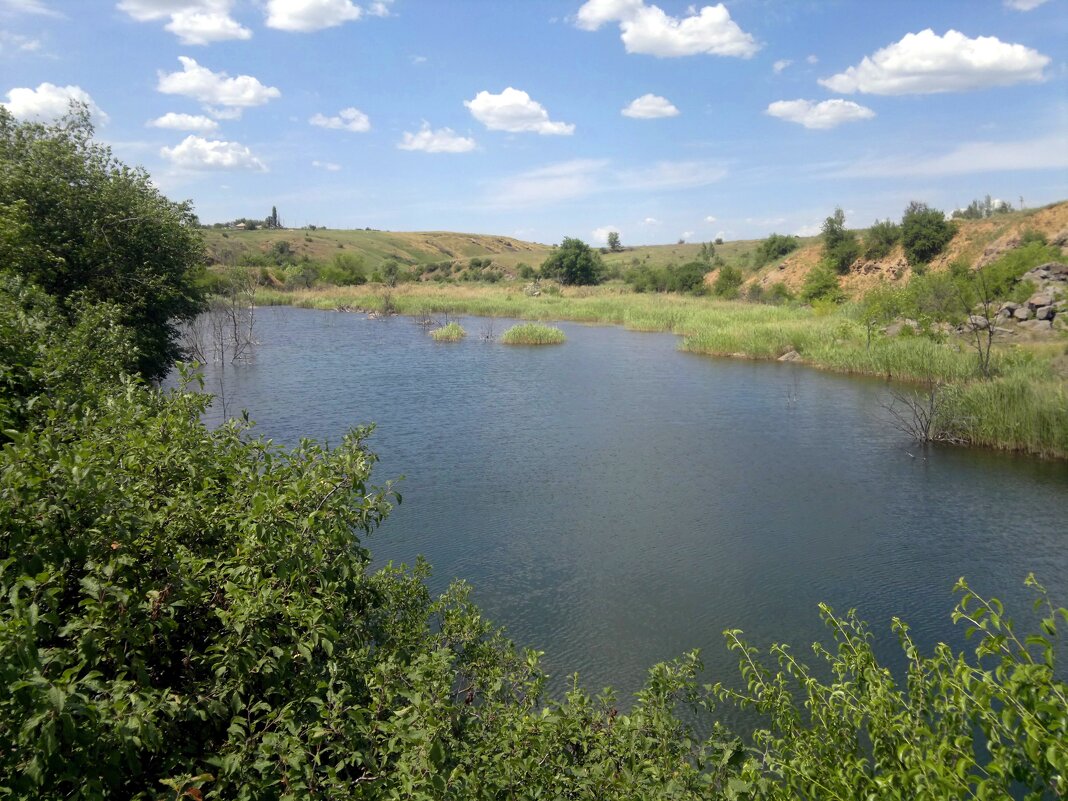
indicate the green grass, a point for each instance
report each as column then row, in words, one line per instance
column 993, row 414
column 533, row 334
column 453, row 332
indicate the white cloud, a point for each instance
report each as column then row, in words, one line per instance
column 1042, row 153
column 514, row 111
column 1024, row 5
column 599, row 236
column 443, row 140
column 28, row 7
column 808, row 230
column 820, row 116
column 49, row 102
column 780, row 65
column 649, row 107
column 194, row 22
column 11, row 43
column 224, row 96
column 379, row 8
column 685, row 235
column 184, row 122
column 650, row 221
column 416, row 60
column 812, row 58
column 710, row 219
column 348, row 119
column 197, row 153
column 579, row 178
column 329, row 166
column 647, row 29
column 303, row 16
column 925, row 63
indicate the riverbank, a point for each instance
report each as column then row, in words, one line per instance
column 1023, row 408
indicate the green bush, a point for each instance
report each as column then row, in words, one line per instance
column 821, row 283
column 840, row 247
column 775, row 247
column 727, row 282
column 881, row 239
column 925, row 232
column 573, row 262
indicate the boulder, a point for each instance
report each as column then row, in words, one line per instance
column 978, row 321
column 1040, row 299
column 1036, row 325
column 1010, row 306
column 1022, row 313
column 1045, row 313
column 1061, row 239
column 791, row 356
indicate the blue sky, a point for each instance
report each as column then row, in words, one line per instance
column 661, row 120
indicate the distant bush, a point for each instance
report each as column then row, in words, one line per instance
column 775, row 247
column 533, row 334
column 689, row 277
column 525, row 271
column 574, row 262
column 925, row 232
column 840, row 247
column 821, row 283
column 727, row 282
column 344, row 269
column 981, row 209
column 881, row 238
column 774, row 294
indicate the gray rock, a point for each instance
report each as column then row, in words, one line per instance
column 1036, row 325
column 977, row 321
column 1022, row 313
column 792, row 356
column 1009, row 305
column 1040, row 299
column 1045, row 313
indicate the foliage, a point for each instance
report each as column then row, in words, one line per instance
column 880, row 306
column 345, row 269
column 1004, row 274
column 727, row 282
column 981, row 209
column 775, row 247
column 774, row 293
column 614, row 244
column 925, row 232
column 533, row 334
column 573, row 262
column 452, row 332
column 840, row 247
column 821, row 283
column 80, row 224
column 989, row 727
column 881, row 239
column 689, row 277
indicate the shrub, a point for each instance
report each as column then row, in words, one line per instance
column 925, row 232
column 821, row 283
column 453, row 332
column 881, row 238
column 533, row 334
column 840, row 248
column 775, row 247
column 574, row 262
column 727, row 282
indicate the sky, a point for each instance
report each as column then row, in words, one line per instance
column 542, row 119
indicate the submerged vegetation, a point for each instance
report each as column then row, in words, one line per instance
column 533, row 334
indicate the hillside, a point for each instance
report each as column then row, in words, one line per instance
column 976, row 241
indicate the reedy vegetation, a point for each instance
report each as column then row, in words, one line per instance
column 533, row 334
column 451, row 332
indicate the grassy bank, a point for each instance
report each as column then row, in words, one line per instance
column 1024, row 409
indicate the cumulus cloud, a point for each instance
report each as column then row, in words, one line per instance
column 329, row 166
column 647, row 29
column 348, row 119
column 599, row 236
column 514, row 111
column 648, row 107
column 780, row 65
column 820, row 116
column 443, row 140
column 710, row 219
column 925, row 63
column 225, row 97
column 650, row 221
column 969, row 158
column 184, row 122
column 197, row 153
column 1024, row 5
column 49, row 102
column 685, row 235
column 303, row 16
column 194, row 22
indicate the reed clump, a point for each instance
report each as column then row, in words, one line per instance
column 533, row 334
column 453, row 332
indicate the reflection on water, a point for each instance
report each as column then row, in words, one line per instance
column 615, row 502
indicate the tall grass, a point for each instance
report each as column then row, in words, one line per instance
column 453, row 332
column 533, row 334
column 1023, row 409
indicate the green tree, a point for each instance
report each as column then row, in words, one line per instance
column 925, row 232
column 821, row 283
column 881, row 238
column 80, row 224
column 574, row 262
column 613, row 242
column 840, row 247
column 727, row 282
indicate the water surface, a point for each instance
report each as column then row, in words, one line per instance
column 616, row 502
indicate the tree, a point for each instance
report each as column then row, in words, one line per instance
column 273, row 222
column 727, row 282
column 574, row 262
column 613, row 242
column 84, row 226
column 881, row 238
column 925, row 232
column 840, row 248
